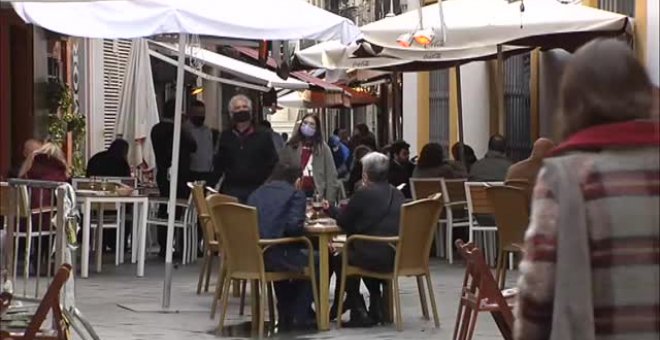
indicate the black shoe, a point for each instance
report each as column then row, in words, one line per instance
column 359, row 318
column 334, row 307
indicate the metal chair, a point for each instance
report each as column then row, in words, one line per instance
column 453, row 197
column 478, row 203
column 417, row 225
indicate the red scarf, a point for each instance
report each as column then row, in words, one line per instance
column 630, row 134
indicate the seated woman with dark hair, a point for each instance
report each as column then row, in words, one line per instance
column 281, row 209
column 431, row 164
column 470, row 156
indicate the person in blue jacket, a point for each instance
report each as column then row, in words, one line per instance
column 281, row 209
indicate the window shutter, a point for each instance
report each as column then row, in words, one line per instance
column 115, row 60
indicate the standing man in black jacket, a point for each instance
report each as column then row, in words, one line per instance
column 246, row 155
column 162, row 136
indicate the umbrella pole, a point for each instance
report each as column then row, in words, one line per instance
column 459, row 100
column 500, row 89
column 174, row 171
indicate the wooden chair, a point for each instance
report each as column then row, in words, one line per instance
column 50, row 302
column 512, row 216
column 453, row 196
column 478, row 203
column 522, row 184
column 244, row 256
column 479, row 293
column 417, row 225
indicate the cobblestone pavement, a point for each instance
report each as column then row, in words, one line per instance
column 122, row 306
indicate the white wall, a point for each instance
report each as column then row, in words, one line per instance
column 653, row 40
column 410, row 110
column 476, row 106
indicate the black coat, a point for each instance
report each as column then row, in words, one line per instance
column 400, row 174
column 373, row 210
column 107, row 164
column 246, row 161
column 162, row 137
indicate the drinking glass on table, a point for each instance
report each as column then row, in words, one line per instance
column 317, row 205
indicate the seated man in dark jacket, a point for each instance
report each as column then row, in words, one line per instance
column 281, row 210
column 373, row 210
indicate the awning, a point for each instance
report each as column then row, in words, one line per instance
column 302, row 75
column 243, row 70
column 311, row 99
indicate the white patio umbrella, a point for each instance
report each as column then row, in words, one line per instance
column 244, row 19
column 138, row 111
column 485, row 24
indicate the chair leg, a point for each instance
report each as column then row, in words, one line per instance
column 397, row 303
column 224, row 298
column 459, row 318
column 450, row 236
column 438, row 241
column 340, row 305
column 211, row 257
column 434, row 308
column 422, row 297
column 262, row 307
column 202, row 272
column 499, row 268
column 218, row 288
column 473, row 323
column 242, row 289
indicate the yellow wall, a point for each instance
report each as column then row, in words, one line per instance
column 641, row 30
column 453, row 107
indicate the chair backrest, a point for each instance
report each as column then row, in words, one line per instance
column 511, row 213
column 522, row 184
column 417, row 226
column 425, row 187
column 50, row 301
column 478, row 202
column 480, row 284
column 217, row 199
column 239, row 230
column 453, row 190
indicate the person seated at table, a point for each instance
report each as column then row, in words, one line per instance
column 111, row 162
column 281, row 209
column 45, row 164
column 373, row 210
column 432, row 164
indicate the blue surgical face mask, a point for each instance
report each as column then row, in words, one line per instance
column 307, row 130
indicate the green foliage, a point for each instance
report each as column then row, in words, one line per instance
column 63, row 119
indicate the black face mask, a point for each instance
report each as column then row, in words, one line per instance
column 241, row 116
column 197, row 121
